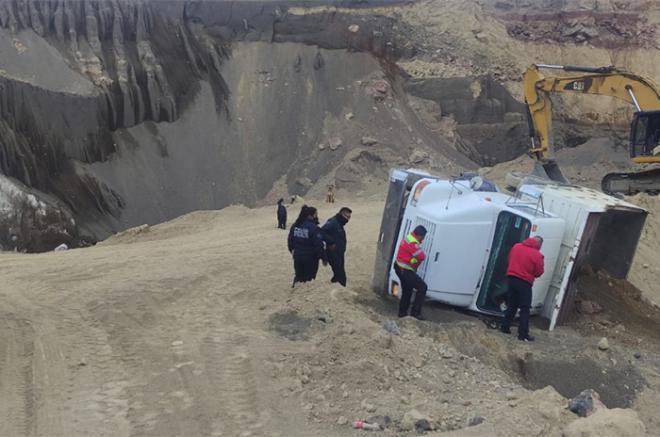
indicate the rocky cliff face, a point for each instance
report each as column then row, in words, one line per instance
column 608, row 24
column 32, row 221
column 133, row 112
column 77, row 73
column 116, row 113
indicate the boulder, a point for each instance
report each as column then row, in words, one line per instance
column 414, row 420
column 589, row 307
column 304, row 182
column 607, row 423
column 335, row 143
column 367, row 406
column 382, row 421
column 368, row 141
column 476, row 420
column 481, row 36
column 418, row 156
column 379, row 90
column 586, row 403
column 391, row 327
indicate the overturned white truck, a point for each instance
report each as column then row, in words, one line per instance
column 470, row 234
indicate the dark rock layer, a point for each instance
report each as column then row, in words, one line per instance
column 129, row 112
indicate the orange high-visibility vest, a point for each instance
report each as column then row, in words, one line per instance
column 410, row 254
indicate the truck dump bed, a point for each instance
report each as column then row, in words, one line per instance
column 602, row 233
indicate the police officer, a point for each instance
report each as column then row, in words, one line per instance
column 408, row 259
column 305, row 243
column 335, row 239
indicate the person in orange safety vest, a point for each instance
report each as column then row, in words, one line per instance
column 408, row 259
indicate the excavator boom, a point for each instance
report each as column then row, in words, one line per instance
column 636, row 90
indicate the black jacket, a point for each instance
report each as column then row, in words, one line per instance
column 281, row 212
column 306, row 240
column 333, row 233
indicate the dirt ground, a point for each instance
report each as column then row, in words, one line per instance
column 191, row 328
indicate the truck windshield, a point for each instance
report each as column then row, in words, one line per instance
column 509, row 230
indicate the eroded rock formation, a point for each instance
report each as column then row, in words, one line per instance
column 91, row 88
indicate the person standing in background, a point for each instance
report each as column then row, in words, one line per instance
column 330, row 197
column 281, row 214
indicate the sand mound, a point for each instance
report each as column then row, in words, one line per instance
column 645, row 272
column 607, row 423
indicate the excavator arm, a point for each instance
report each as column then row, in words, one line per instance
column 640, row 92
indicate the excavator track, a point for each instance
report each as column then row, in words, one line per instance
column 632, row 183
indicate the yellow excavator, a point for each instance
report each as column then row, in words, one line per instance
column 640, row 92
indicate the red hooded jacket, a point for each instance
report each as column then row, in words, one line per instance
column 526, row 261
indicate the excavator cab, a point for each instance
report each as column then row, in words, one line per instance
column 645, row 136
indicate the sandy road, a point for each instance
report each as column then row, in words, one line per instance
column 160, row 333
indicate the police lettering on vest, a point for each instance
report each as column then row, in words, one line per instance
column 301, row 232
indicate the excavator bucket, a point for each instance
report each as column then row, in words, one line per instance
column 549, row 170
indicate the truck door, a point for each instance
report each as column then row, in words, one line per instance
column 509, row 230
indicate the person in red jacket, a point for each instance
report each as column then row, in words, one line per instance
column 408, row 259
column 525, row 265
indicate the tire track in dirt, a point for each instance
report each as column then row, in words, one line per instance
column 241, row 391
column 229, row 383
column 95, row 384
column 157, row 334
column 126, row 320
column 70, row 378
column 17, row 396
